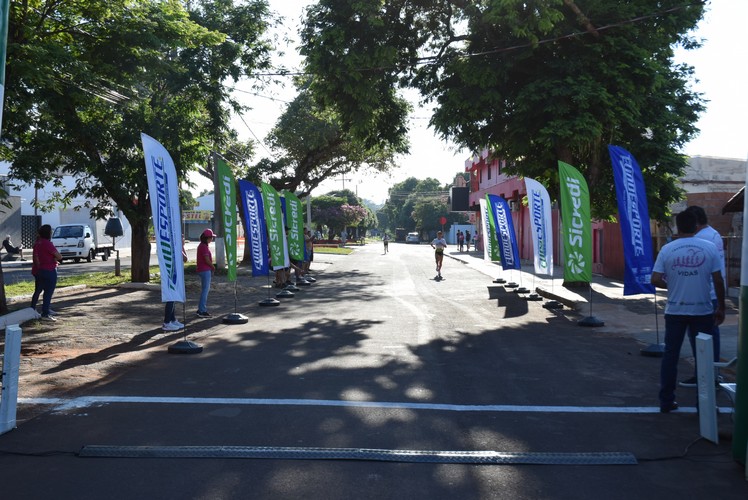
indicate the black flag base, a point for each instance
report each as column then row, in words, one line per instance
column 185, row 347
column 591, row 321
column 553, row 304
column 522, row 290
column 511, row 284
column 500, row 281
column 235, row 319
column 534, row 296
column 285, row 294
column 653, row 350
column 269, row 302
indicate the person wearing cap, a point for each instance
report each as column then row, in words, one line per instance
column 205, row 270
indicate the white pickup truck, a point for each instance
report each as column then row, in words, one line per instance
column 78, row 241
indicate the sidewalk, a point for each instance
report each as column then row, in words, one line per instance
column 632, row 315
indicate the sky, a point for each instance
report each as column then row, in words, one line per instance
column 721, row 75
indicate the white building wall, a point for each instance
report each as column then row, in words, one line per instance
column 53, row 217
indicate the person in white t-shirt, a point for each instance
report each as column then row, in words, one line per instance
column 686, row 266
column 439, row 244
column 708, row 233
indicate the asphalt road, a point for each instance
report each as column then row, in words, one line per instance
column 375, row 355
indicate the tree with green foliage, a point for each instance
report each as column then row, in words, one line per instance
column 428, row 212
column 85, row 79
column 533, row 81
column 341, row 209
column 311, row 145
column 403, row 196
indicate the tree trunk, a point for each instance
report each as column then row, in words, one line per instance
column 141, row 251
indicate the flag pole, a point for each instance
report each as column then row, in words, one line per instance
column 4, row 19
column 658, row 349
column 740, row 432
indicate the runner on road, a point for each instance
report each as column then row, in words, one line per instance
column 439, row 244
column 386, row 241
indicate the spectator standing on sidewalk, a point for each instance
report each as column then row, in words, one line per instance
column 708, row 233
column 205, row 270
column 309, row 247
column 170, row 316
column 460, row 240
column 685, row 267
column 467, row 240
column 46, row 257
column 38, row 287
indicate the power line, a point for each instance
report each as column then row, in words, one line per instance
column 255, row 136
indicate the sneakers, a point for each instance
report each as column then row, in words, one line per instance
column 170, row 327
column 48, row 318
column 177, row 323
column 204, row 314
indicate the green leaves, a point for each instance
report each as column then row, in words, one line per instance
column 535, row 81
column 84, row 79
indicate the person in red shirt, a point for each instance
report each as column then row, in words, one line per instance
column 46, row 257
column 205, row 270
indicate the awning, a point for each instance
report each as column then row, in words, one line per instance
column 735, row 204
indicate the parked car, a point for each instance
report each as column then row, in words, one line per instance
column 412, row 238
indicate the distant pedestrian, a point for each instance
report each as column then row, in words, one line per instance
column 706, row 232
column 386, row 241
column 685, row 267
column 205, row 270
column 11, row 248
column 460, row 240
column 439, row 244
column 467, row 240
column 46, row 258
column 170, row 316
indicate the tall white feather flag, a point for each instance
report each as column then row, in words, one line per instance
column 163, row 189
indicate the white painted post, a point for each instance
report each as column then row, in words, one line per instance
column 707, row 397
column 11, row 365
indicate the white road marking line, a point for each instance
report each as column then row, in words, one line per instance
column 87, row 401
